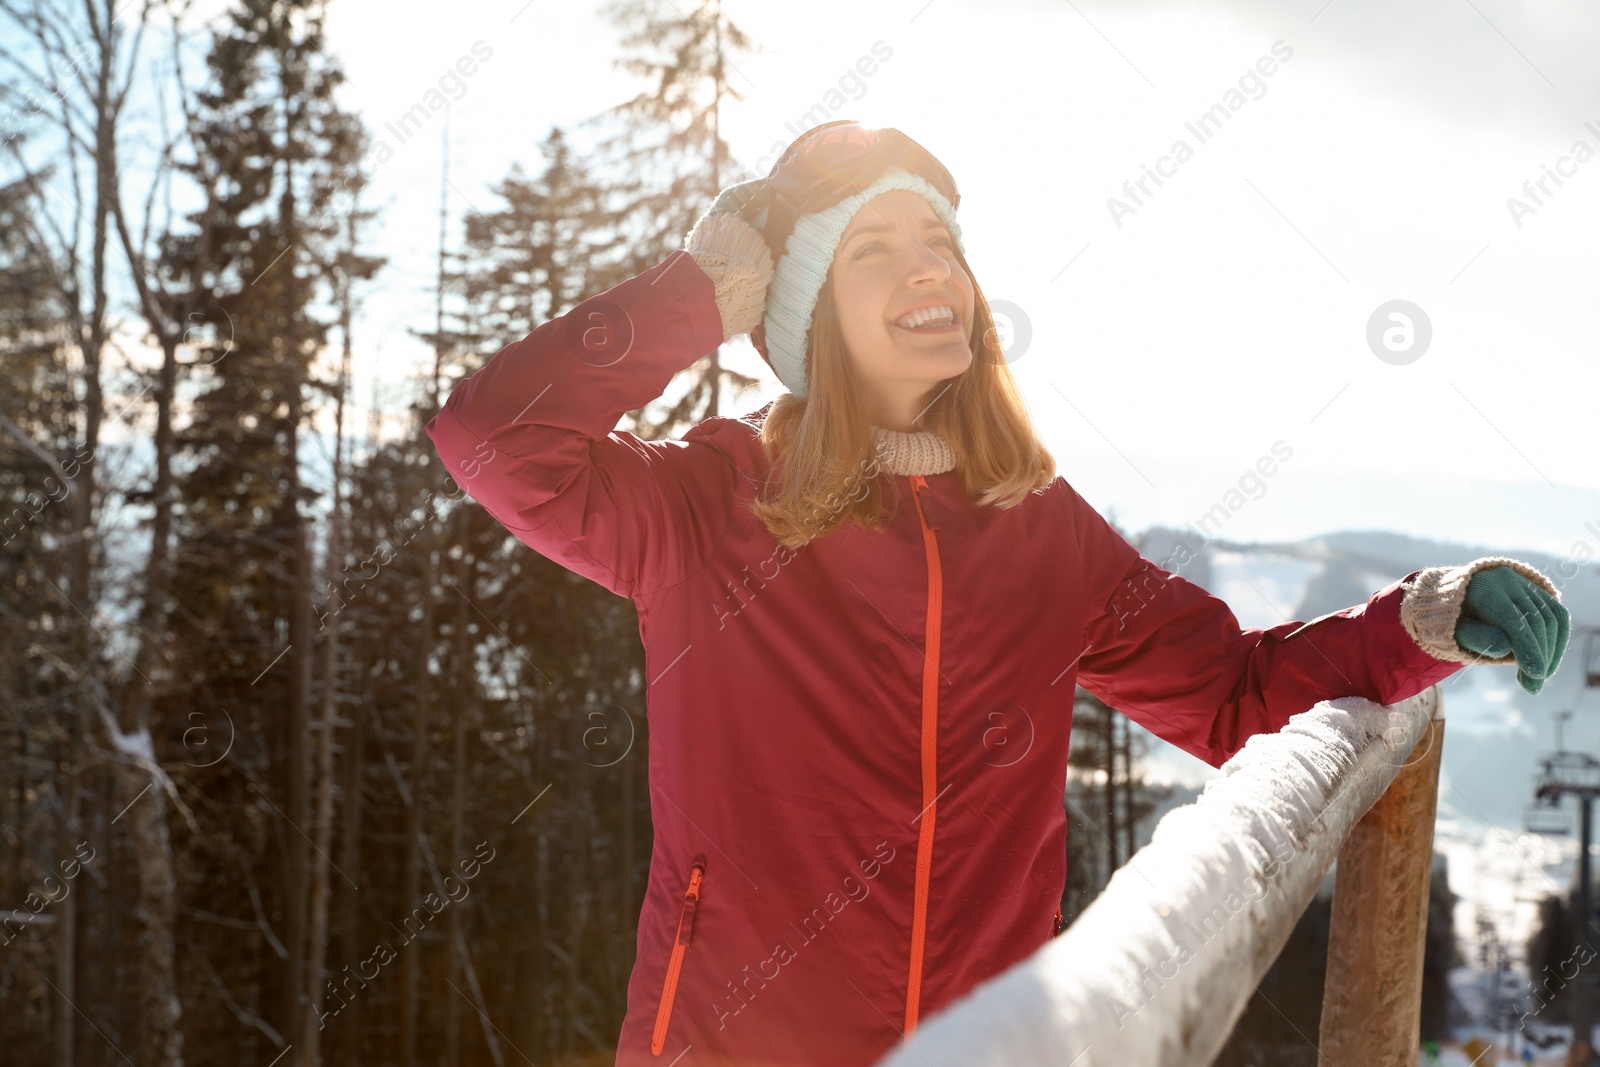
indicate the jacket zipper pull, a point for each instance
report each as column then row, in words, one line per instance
column 691, row 898
column 680, row 942
column 919, row 484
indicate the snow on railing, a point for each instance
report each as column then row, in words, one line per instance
column 1159, row 967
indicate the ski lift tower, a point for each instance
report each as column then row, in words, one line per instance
column 1568, row 773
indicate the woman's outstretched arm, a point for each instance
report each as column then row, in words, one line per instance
column 531, row 436
column 1174, row 658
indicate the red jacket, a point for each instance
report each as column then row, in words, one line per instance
column 857, row 749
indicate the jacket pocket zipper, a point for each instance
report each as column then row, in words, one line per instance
column 680, row 942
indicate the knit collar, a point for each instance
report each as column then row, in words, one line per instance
column 917, row 452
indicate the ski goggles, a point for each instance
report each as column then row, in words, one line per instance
column 829, row 162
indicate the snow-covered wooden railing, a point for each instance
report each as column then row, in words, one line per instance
column 1158, row 968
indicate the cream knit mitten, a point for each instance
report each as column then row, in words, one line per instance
column 735, row 257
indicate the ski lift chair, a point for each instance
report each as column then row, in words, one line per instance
column 1548, row 817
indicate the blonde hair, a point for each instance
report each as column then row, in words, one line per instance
column 824, row 467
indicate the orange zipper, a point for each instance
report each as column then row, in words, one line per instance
column 680, row 942
column 1057, row 928
column 930, row 749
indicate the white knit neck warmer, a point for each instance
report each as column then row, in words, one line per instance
column 918, row 452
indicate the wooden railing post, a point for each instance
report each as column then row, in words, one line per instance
column 1372, row 1002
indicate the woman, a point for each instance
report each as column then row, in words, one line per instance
column 865, row 608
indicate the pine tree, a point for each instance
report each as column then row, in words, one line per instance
column 548, row 247
column 271, row 147
column 672, row 155
column 39, row 742
column 570, row 727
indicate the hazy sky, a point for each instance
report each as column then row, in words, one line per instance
column 1365, row 154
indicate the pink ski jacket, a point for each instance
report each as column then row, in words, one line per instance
column 858, row 748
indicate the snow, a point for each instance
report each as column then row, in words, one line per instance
column 1500, row 875
column 1545, row 1045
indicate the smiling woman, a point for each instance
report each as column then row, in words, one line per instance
column 845, row 704
column 863, row 226
column 944, row 392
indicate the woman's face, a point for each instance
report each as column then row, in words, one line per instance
column 895, row 257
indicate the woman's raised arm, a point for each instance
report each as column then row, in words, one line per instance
column 531, row 436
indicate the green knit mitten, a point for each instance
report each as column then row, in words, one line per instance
column 1505, row 613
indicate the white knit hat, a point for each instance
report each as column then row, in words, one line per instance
column 803, row 267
